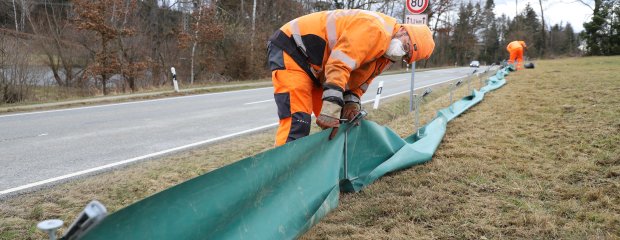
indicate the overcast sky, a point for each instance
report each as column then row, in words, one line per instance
column 556, row 11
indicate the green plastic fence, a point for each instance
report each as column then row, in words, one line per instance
column 281, row 193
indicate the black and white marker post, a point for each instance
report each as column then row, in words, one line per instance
column 174, row 79
column 378, row 96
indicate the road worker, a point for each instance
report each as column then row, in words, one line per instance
column 323, row 62
column 516, row 48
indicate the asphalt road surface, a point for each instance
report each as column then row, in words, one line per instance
column 41, row 148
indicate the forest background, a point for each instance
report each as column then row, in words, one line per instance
column 56, row 49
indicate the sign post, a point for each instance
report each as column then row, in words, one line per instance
column 415, row 7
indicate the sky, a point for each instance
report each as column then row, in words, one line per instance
column 556, row 11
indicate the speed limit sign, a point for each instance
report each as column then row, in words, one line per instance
column 417, row 6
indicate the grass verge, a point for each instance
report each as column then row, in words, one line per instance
column 537, row 165
column 537, row 159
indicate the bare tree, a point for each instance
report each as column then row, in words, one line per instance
column 543, row 30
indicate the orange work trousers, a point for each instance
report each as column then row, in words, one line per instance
column 516, row 54
column 296, row 96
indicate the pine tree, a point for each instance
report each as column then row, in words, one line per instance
column 464, row 38
column 490, row 35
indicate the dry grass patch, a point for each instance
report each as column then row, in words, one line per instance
column 538, row 158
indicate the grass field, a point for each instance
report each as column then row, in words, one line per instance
column 538, row 158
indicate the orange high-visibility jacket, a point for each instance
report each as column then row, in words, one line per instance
column 514, row 45
column 341, row 50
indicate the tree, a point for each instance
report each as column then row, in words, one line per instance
column 526, row 27
column 543, row 30
column 602, row 32
column 464, row 38
column 62, row 55
column 107, row 20
column 438, row 11
column 490, row 35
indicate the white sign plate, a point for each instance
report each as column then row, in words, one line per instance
column 417, row 19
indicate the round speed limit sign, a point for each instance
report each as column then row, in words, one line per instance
column 417, row 6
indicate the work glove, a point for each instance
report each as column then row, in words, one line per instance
column 329, row 117
column 350, row 110
column 351, row 107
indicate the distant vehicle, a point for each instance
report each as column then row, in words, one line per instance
column 474, row 64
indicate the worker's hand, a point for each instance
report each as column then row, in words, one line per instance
column 329, row 117
column 350, row 110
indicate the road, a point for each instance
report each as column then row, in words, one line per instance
column 41, row 148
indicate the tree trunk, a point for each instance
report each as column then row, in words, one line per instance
column 253, row 28
column 15, row 17
column 191, row 81
column 543, row 31
column 195, row 44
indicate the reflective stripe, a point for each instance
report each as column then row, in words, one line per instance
column 343, row 57
column 364, row 87
column 295, row 27
column 351, row 98
column 332, row 93
column 297, row 37
column 332, row 17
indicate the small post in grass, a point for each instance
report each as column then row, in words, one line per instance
column 50, row 226
column 416, row 126
column 378, row 96
column 174, row 79
column 451, row 92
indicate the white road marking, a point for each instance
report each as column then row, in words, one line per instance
column 39, row 183
column 250, row 103
column 127, row 103
column 42, row 134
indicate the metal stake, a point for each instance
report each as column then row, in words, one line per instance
column 417, row 114
column 50, row 226
column 346, row 160
column 451, row 90
column 411, row 87
column 353, row 122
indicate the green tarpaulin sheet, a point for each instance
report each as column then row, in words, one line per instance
column 281, row 193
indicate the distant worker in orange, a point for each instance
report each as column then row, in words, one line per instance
column 323, row 62
column 516, row 48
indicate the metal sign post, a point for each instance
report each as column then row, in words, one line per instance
column 411, row 89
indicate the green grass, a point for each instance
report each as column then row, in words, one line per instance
column 538, row 158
